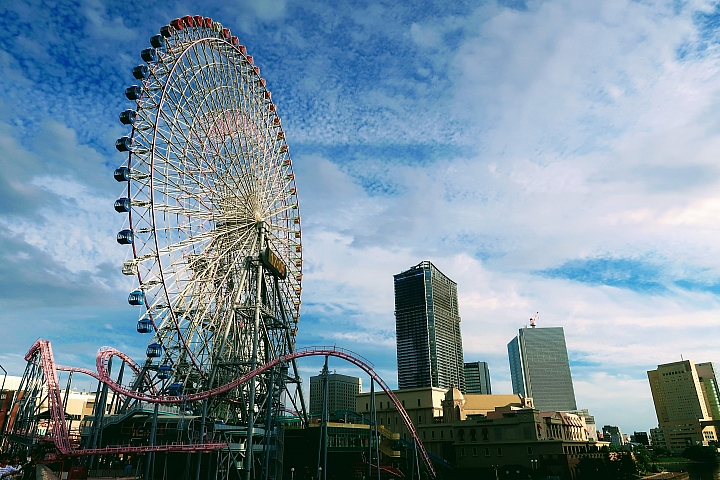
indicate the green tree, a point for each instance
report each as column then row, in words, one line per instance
column 643, row 459
column 702, row 454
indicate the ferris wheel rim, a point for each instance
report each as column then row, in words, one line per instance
column 267, row 127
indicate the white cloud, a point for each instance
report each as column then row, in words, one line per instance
column 569, row 130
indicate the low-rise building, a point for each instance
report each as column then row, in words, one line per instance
column 478, row 433
column 657, row 438
column 614, row 435
column 641, row 438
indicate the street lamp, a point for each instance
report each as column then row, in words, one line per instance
column 496, row 472
column 292, row 473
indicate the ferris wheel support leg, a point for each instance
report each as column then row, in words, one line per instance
column 254, row 361
column 202, row 438
column 268, row 424
column 150, row 455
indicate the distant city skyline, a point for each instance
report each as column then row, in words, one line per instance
column 556, row 156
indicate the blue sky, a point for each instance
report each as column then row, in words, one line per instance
column 551, row 156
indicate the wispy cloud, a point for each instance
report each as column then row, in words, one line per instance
column 547, row 155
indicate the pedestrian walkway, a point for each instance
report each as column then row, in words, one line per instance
column 44, row 473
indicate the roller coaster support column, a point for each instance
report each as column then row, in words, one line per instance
column 325, row 418
column 377, row 435
column 100, row 405
column 254, row 360
column 113, row 407
column 66, row 397
column 149, row 457
column 67, row 391
column 373, row 418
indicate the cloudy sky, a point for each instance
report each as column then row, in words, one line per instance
column 551, row 156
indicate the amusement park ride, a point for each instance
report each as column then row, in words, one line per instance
column 214, row 239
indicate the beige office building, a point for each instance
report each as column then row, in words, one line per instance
column 682, row 404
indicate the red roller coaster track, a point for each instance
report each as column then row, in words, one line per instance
column 61, row 436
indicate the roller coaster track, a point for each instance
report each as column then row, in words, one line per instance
column 60, row 434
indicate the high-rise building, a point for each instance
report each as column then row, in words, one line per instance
column 539, row 368
column 684, row 403
column 427, row 328
column 707, row 374
column 477, row 378
column 342, row 390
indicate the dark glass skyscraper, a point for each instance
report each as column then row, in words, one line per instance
column 540, row 369
column 477, row 378
column 427, row 327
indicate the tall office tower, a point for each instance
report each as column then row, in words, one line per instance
column 540, row 369
column 707, row 374
column 427, row 328
column 477, row 378
column 342, row 390
column 682, row 403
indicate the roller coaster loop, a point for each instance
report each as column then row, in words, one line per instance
column 61, row 438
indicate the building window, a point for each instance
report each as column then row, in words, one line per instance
column 403, row 403
column 418, row 402
column 487, row 451
column 367, row 407
column 380, row 405
column 442, row 434
column 419, row 418
column 499, row 451
column 529, row 450
column 432, row 434
column 462, row 452
column 451, row 434
column 474, row 452
column 395, row 421
column 423, row 435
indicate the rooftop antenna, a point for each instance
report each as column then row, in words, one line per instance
column 534, row 319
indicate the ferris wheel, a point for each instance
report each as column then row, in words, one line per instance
column 213, row 222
